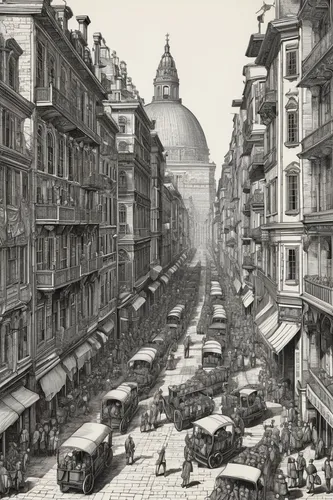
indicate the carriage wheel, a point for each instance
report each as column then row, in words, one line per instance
column 215, row 460
column 178, row 420
column 88, row 484
column 123, row 425
column 63, row 488
column 109, row 458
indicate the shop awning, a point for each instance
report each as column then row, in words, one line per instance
column 83, row 354
column 70, row 366
column 269, row 325
column 107, row 327
column 20, row 399
column 7, row 417
column 96, row 346
column 154, row 286
column 53, row 382
column 248, row 298
column 259, row 316
column 283, row 335
column 102, row 335
column 165, row 279
column 138, row 303
column 237, row 285
column 155, row 272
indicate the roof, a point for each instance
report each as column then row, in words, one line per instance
column 180, row 132
column 122, row 392
column 215, row 291
column 214, row 422
column 240, row 471
column 147, row 354
column 217, row 326
column 87, row 437
column 212, row 346
column 247, row 391
column 158, row 338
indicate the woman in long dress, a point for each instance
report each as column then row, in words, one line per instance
column 186, row 472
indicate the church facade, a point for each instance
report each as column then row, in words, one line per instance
column 185, row 144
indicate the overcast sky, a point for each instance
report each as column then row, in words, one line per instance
column 208, row 39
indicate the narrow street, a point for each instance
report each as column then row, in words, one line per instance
column 138, row 482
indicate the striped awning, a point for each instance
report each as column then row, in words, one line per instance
column 237, row 285
column 283, row 335
column 53, row 382
column 248, row 298
column 138, row 303
column 165, row 279
column 154, row 286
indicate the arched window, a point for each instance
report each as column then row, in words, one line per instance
column 50, row 153
column 158, row 91
column 166, row 92
column 122, row 214
column 61, row 157
column 22, row 339
column 91, row 299
column 123, row 146
column 40, row 148
column 122, row 180
column 122, row 121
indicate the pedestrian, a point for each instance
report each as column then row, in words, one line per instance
column 291, row 414
column 161, row 461
column 129, row 450
column 152, row 417
column 328, row 473
column 311, row 472
column 307, row 437
column 56, row 441
column 25, row 460
column 320, row 449
column 314, row 436
column 186, row 471
column 285, row 440
column 143, row 423
column 35, row 441
column 299, row 437
column 292, row 472
column 42, row 440
column 300, row 466
column 5, row 480
column 284, row 416
column 24, row 439
column 50, row 444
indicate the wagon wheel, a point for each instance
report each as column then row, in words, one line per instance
column 88, row 484
column 123, row 425
column 215, row 460
column 167, row 410
column 178, row 420
column 63, row 488
column 109, row 458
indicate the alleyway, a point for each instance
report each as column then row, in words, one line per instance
column 138, row 482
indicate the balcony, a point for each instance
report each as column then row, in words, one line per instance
column 317, row 141
column 248, row 263
column 270, row 159
column 63, row 112
column 96, row 181
column 246, row 237
column 267, row 105
column 107, row 309
column 231, row 239
column 318, row 62
column 91, row 265
column 253, row 131
column 319, row 287
column 56, row 214
column 320, row 391
column 256, row 166
column 257, row 201
column 51, row 279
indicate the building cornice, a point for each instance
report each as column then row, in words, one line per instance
column 15, row 100
column 277, row 31
column 106, row 118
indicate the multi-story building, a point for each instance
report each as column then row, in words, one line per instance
column 65, row 165
column 16, row 278
column 317, row 205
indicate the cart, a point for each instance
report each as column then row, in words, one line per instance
column 212, row 355
column 83, row 456
column 120, row 405
column 245, row 477
column 250, row 406
column 144, row 369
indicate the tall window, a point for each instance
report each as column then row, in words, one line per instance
column 40, row 148
column 12, row 265
column 166, row 92
column 40, row 65
column 72, row 305
column 292, row 127
column 23, row 269
column 61, row 157
column 51, row 69
column 63, row 80
column 122, row 124
column 292, row 196
column 63, row 251
column 292, row 264
column 50, row 153
column 122, row 214
column 63, row 309
column 123, row 180
column 291, row 62
column 70, row 155
column 22, row 340
column 41, row 324
column 12, row 73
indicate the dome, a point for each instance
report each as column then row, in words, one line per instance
column 180, row 132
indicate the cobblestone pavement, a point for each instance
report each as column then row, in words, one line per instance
column 138, row 482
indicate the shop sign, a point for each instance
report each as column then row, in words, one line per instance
column 317, row 403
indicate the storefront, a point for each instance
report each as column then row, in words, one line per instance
column 15, row 415
column 51, row 385
column 155, row 291
column 83, row 355
column 318, row 412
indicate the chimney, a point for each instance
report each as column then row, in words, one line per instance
column 84, row 22
column 64, row 14
column 97, row 48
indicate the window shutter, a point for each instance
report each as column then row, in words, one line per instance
column 297, row 264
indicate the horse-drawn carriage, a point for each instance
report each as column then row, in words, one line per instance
column 250, row 406
column 119, row 406
column 144, row 369
column 212, row 354
column 175, row 320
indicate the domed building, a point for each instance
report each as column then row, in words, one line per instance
column 185, row 143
